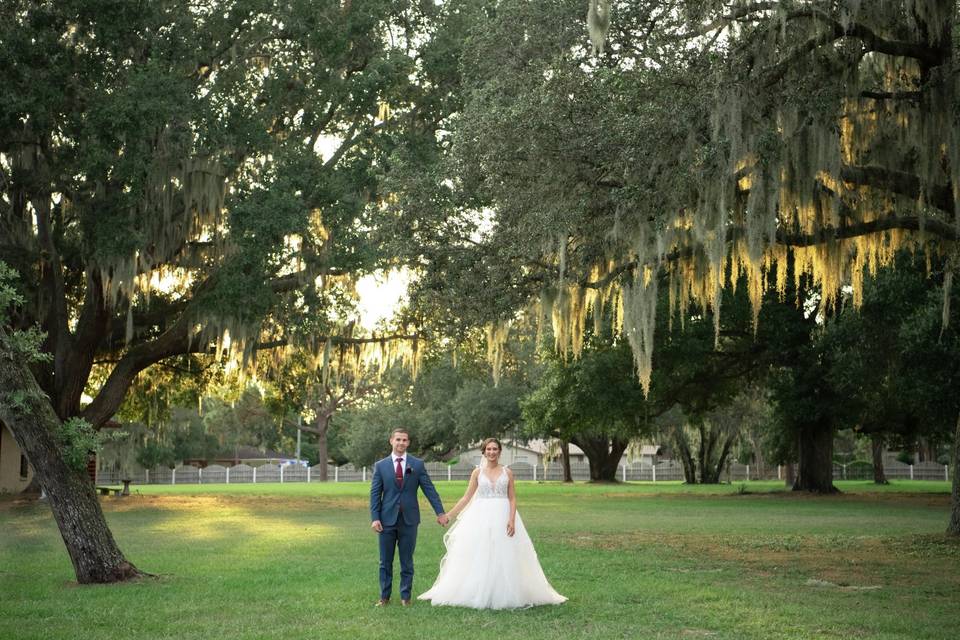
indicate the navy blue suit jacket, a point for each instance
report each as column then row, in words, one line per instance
column 388, row 502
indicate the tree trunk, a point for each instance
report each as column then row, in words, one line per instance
column 90, row 544
column 925, row 450
column 565, row 459
column 759, row 461
column 954, row 527
column 789, row 474
column 320, row 429
column 711, row 474
column 703, row 453
column 877, row 443
column 323, row 450
column 682, row 447
column 604, row 456
column 816, row 460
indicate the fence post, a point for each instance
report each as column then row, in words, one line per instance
column 309, row 470
column 254, row 475
column 173, row 476
column 623, row 468
column 199, row 476
column 653, row 468
column 911, row 472
column 281, row 474
column 778, row 473
column 364, row 474
column 843, row 472
column 534, row 472
column 748, row 472
column 228, row 475
column 147, row 480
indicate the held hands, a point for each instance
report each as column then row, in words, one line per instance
column 377, row 526
column 443, row 519
column 511, row 529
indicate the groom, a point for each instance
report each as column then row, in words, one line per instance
column 395, row 512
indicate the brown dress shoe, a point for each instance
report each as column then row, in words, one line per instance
column 405, row 603
column 382, row 602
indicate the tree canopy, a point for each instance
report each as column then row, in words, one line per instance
column 707, row 141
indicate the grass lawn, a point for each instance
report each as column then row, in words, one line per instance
column 636, row 560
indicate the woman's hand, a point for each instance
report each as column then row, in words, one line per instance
column 511, row 529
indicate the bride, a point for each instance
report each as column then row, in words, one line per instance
column 490, row 561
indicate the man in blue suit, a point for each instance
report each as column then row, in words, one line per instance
column 395, row 512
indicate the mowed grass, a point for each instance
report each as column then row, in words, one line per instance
column 636, row 560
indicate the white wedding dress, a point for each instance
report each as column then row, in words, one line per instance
column 484, row 568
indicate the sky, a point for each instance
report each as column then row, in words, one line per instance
column 380, row 296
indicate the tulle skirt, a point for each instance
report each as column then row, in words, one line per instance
column 484, row 568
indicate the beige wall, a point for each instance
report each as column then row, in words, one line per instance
column 509, row 455
column 10, row 480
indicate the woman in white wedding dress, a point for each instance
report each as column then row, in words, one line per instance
column 490, row 561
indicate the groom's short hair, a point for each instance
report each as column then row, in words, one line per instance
column 402, row 430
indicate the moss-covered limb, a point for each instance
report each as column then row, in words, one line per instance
column 847, row 232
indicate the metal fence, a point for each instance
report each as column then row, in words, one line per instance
column 665, row 470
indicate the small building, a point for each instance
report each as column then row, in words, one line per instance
column 533, row 452
column 15, row 471
column 251, row 456
column 647, row 455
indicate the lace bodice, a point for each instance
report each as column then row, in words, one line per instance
column 494, row 489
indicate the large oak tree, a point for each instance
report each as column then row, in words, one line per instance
column 190, row 177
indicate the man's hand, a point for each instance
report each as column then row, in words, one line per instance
column 377, row 526
column 443, row 519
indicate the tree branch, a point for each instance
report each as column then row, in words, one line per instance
column 891, row 95
column 725, row 20
column 836, row 31
column 906, row 184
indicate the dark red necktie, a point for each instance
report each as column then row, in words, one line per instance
column 399, row 472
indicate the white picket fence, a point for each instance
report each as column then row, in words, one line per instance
column 662, row 471
column 894, row 470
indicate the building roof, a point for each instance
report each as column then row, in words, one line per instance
column 539, row 446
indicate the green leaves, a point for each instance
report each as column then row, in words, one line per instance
column 9, row 296
column 26, row 343
column 78, row 440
